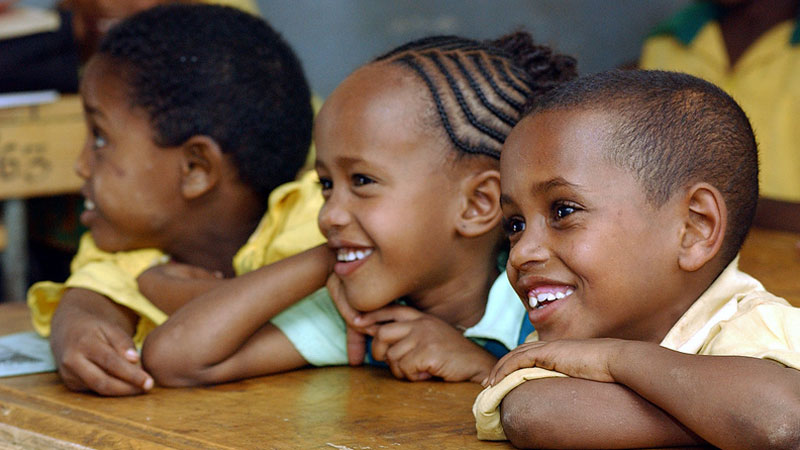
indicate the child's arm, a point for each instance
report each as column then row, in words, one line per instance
column 170, row 286
column 728, row 401
column 224, row 334
column 92, row 346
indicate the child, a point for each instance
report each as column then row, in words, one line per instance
column 196, row 114
column 407, row 155
column 751, row 49
column 626, row 197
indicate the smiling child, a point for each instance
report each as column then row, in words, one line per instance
column 627, row 196
column 407, row 157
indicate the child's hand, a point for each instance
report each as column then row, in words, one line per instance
column 97, row 356
column 587, row 359
column 418, row 346
column 356, row 335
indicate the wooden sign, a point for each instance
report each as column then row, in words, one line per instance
column 38, row 148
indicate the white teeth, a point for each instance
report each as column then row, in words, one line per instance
column 538, row 300
column 345, row 255
column 88, row 204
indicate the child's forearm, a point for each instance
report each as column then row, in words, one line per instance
column 578, row 413
column 732, row 402
column 214, row 327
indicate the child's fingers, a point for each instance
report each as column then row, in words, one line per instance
column 390, row 313
column 85, row 375
column 120, row 368
column 386, row 336
column 356, row 347
column 521, row 357
column 348, row 313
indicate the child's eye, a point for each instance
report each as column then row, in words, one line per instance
column 325, row 183
column 98, row 141
column 513, row 225
column 361, row 180
column 562, row 210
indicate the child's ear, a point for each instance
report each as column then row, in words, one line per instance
column 201, row 166
column 704, row 226
column 480, row 209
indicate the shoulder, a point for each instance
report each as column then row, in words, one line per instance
column 764, row 326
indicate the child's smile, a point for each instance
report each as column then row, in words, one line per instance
column 583, row 236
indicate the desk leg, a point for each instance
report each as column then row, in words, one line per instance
column 15, row 257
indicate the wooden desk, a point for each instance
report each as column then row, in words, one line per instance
column 317, row 408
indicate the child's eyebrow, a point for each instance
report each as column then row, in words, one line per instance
column 553, row 183
column 92, row 111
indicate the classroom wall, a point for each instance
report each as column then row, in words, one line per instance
column 333, row 37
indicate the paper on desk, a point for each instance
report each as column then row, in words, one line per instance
column 24, row 353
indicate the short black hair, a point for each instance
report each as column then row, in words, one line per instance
column 671, row 130
column 480, row 88
column 217, row 71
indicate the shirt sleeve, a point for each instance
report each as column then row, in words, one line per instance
column 765, row 328
column 315, row 328
column 110, row 274
column 486, row 408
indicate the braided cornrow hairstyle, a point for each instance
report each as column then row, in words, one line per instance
column 480, row 88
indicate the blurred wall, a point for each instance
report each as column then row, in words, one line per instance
column 333, row 37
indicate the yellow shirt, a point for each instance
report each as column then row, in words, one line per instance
column 288, row 227
column 244, row 5
column 734, row 316
column 764, row 82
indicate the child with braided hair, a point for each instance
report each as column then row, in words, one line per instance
column 408, row 153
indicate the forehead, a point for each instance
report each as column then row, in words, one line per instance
column 379, row 108
column 103, row 85
column 565, row 141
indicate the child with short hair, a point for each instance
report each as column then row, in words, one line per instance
column 626, row 197
column 198, row 115
column 407, row 155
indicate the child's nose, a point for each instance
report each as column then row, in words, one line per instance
column 83, row 164
column 332, row 215
column 530, row 251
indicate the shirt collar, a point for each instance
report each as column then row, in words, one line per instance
column 502, row 320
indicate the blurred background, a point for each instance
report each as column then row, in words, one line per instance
column 333, row 37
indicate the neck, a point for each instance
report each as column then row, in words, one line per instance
column 461, row 299
column 743, row 24
column 213, row 233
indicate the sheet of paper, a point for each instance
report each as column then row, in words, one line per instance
column 24, row 353
column 15, row 99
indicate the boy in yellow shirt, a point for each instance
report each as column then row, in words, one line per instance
column 626, row 197
column 197, row 114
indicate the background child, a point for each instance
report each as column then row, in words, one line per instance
column 407, row 155
column 626, row 196
column 751, row 49
column 196, row 114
